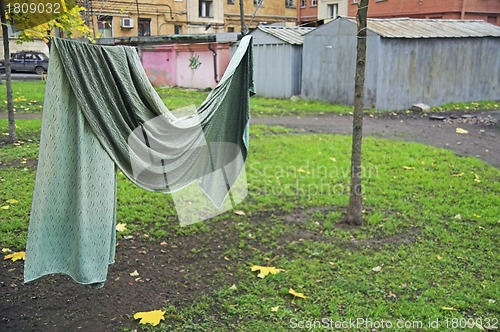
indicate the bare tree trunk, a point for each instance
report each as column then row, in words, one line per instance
column 8, row 76
column 354, row 214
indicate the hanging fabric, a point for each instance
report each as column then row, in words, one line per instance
column 101, row 113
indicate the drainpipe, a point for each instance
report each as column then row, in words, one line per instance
column 462, row 12
column 299, row 18
column 214, row 53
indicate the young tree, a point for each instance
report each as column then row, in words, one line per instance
column 354, row 214
column 36, row 26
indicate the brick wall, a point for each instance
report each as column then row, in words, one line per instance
column 488, row 10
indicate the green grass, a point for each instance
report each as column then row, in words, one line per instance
column 28, row 96
column 472, row 106
column 432, row 228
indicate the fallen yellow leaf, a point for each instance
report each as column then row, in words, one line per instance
column 476, row 178
column 5, row 207
column 333, row 159
column 12, row 201
column 295, row 294
column 274, row 309
column 16, row 256
column 408, row 167
column 6, row 250
column 150, row 317
column 233, row 287
column 448, row 308
column 459, row 174
column 461, row 131
column 121, row 227
column 265, row 270
column 300, row 170
column 134, row 274
column 239, row 212
column 377, row 268
column 439, row 257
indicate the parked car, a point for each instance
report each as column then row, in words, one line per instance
column 27, row 61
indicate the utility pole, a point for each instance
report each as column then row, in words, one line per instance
column 242, row 19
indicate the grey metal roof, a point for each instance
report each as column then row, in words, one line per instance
column 291, row 35
column 430, row 28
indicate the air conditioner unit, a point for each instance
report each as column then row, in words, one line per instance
column 127, row 22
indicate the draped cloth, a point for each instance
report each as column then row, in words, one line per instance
column 101, row 113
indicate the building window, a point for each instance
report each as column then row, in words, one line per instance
column 303, row 3
column 230, row 2
column 230, row 29
column 289, row 3
column 258, row 3
column 177, row 29
column 314, row 3
column 332, row 10
column 105, row 27
column 144, row 27
column 205, row 9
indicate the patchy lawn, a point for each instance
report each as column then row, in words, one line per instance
column 428, row 253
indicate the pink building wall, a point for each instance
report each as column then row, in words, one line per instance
column 186, row 65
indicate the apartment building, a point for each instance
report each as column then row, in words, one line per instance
column 127, row 18
column 487, row 10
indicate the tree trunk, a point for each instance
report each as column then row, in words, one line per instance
column 354, row 214
column 8, row 77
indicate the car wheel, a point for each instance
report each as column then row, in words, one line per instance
column 39, row 70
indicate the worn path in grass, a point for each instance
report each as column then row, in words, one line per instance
column 481, row 141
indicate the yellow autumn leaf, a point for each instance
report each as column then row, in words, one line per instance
column 265, row 270
column 459, row 174
column 5, row 207
column 12, row 201
column 448, row 308
column 295, row 294
column 476, row 178
column 239, row 212
column 275, row 309
column 16, row 256
column 461, row 131
column 121, row 227
column 300, row 170
column 408, row 167
column 439, row 257
column 150, row 317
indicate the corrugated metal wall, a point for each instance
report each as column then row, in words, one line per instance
column 437, row 71
column 277, row 70
column 399, row 72
column 329, row 62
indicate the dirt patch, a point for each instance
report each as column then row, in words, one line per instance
column 175, row 273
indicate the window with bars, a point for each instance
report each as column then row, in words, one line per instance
column 105, row 26
column 289, row 3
